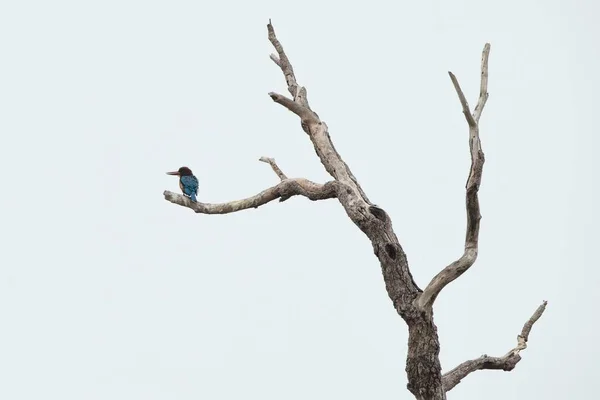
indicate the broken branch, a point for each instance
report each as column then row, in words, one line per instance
column 305, row 114
column 273, row 164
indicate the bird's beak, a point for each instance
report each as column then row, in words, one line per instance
column 173, row 173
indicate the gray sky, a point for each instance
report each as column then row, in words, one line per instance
column 107, row 291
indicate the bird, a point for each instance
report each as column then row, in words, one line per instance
column 188, row 183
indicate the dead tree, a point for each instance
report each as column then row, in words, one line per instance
column 423, row 369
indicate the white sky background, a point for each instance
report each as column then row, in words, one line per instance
column 107, row 291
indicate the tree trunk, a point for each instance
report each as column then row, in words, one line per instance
column 422, row 362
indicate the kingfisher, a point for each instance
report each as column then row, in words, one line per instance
column 188, row 183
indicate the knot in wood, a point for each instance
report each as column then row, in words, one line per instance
column 391, row 251
column 378, row 213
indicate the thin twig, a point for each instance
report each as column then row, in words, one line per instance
column 483, row 87
column 273, row 164
column 463, row 100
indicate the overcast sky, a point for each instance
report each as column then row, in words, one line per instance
column 107, row 291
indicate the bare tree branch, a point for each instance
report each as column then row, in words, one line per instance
column 284, row 190
column 276, row 60
column 523, row 338
column 283, row 62
column 463, row 101
column 483, row 93
column 305, row 114
column 273, row 164
column 311, row 123
column 505, row 363
column 457, row 268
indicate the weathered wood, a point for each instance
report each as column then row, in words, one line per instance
column 415, row 306
column 459, row 267
column 505, row 363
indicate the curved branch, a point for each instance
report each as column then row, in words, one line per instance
column 284, row 190
column 505, row 363
column 459, row 267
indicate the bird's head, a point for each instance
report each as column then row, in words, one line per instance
column 183, row 171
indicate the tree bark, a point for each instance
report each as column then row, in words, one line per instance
column 415, row 306
column 422, row 363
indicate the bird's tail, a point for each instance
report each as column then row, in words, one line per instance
column 193, row 197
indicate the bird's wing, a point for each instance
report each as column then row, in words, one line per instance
column 190, row 184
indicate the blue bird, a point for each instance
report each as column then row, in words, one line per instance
column 188, row 183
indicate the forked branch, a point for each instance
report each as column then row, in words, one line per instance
column 457, row 268
column 286, row 67
column 505, row 363
column 283, row 191
column 311, row 123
